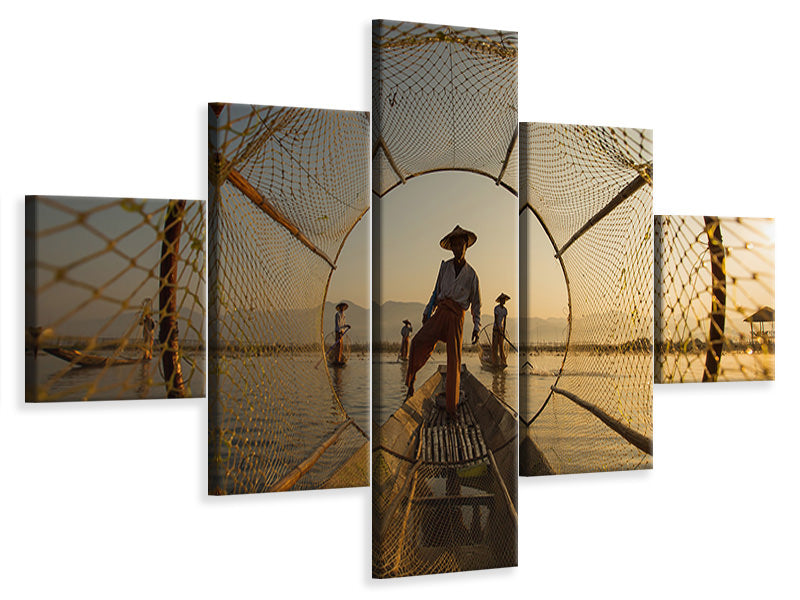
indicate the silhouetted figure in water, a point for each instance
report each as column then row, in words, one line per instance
column 148, row 324
column 405, row 332
column 336, row 352
column 499, row 331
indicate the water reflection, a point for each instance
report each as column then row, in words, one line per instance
column 499, row 383
column 57, row 380
column 336, row 379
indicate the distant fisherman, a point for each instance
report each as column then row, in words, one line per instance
column 340, row 328
column 456, row 290
column 148, row 329
column 499, row 331
column 405, row 332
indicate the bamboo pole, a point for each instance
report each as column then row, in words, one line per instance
column 644, row 443
column 304, row 467
column 511, row 145
column 506, row 496
column 167, row 299
column 716, row 327
column 640, row 181
column 381, row 144
column 404, row 525
column 240, row 183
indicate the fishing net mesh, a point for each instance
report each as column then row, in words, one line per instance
column 115, row 298
column 444, row 99
column 448, row 503
column 709, row 269
column 286, row 187
column 591, row 190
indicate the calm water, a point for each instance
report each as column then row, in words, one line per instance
column 390, row 380
column 572, row 439
column 275, row 410
column 737, row 366
column 61, row 381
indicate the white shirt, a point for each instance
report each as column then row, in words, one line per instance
column 339, row 322
column 500, row 313
column 464, row 289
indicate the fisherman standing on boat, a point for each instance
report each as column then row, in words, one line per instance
column 499, row 331
column 340, row 328
column 405, row 332
column 148, row 329
column 456, row 290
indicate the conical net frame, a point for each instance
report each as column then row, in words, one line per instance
column 444, row 99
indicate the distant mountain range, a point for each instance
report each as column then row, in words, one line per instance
column 391, row 315
column 302, row 326
column 190, row 322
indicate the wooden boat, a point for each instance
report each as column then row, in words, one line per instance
column 485, row 351
column 487, row 362
column 330, row 354
column 445, row 489
column 80, row 359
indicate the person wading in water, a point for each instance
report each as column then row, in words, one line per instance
column 499, row 331
column 340, row 328
column 456, row 290
column 405, row 332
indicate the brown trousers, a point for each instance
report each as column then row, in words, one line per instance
column 446, row 325
column 339, row 349
column 498, row 348
column 404, row 348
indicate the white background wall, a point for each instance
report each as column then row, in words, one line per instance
column 108, row 499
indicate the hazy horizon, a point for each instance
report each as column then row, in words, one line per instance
column 415, row 216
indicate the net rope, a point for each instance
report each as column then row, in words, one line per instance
column 115, row 298
column 286, row 187
column 444, row 99
column 709, row 269
column 590, row 188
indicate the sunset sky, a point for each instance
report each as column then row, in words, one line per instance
column 98, row 274
column 415, row 216
column 749, row 264
column 473, row 202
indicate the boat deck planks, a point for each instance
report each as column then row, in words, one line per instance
column 451, row 441
column 447, row 485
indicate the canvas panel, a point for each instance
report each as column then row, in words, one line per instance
column 288, row 398
column 115, row 298
column 586, row 384
column 714, row 299
column 444, row 150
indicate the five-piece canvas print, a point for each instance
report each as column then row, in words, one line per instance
column 523, row 299
column 115, row 298
column 445, row 422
